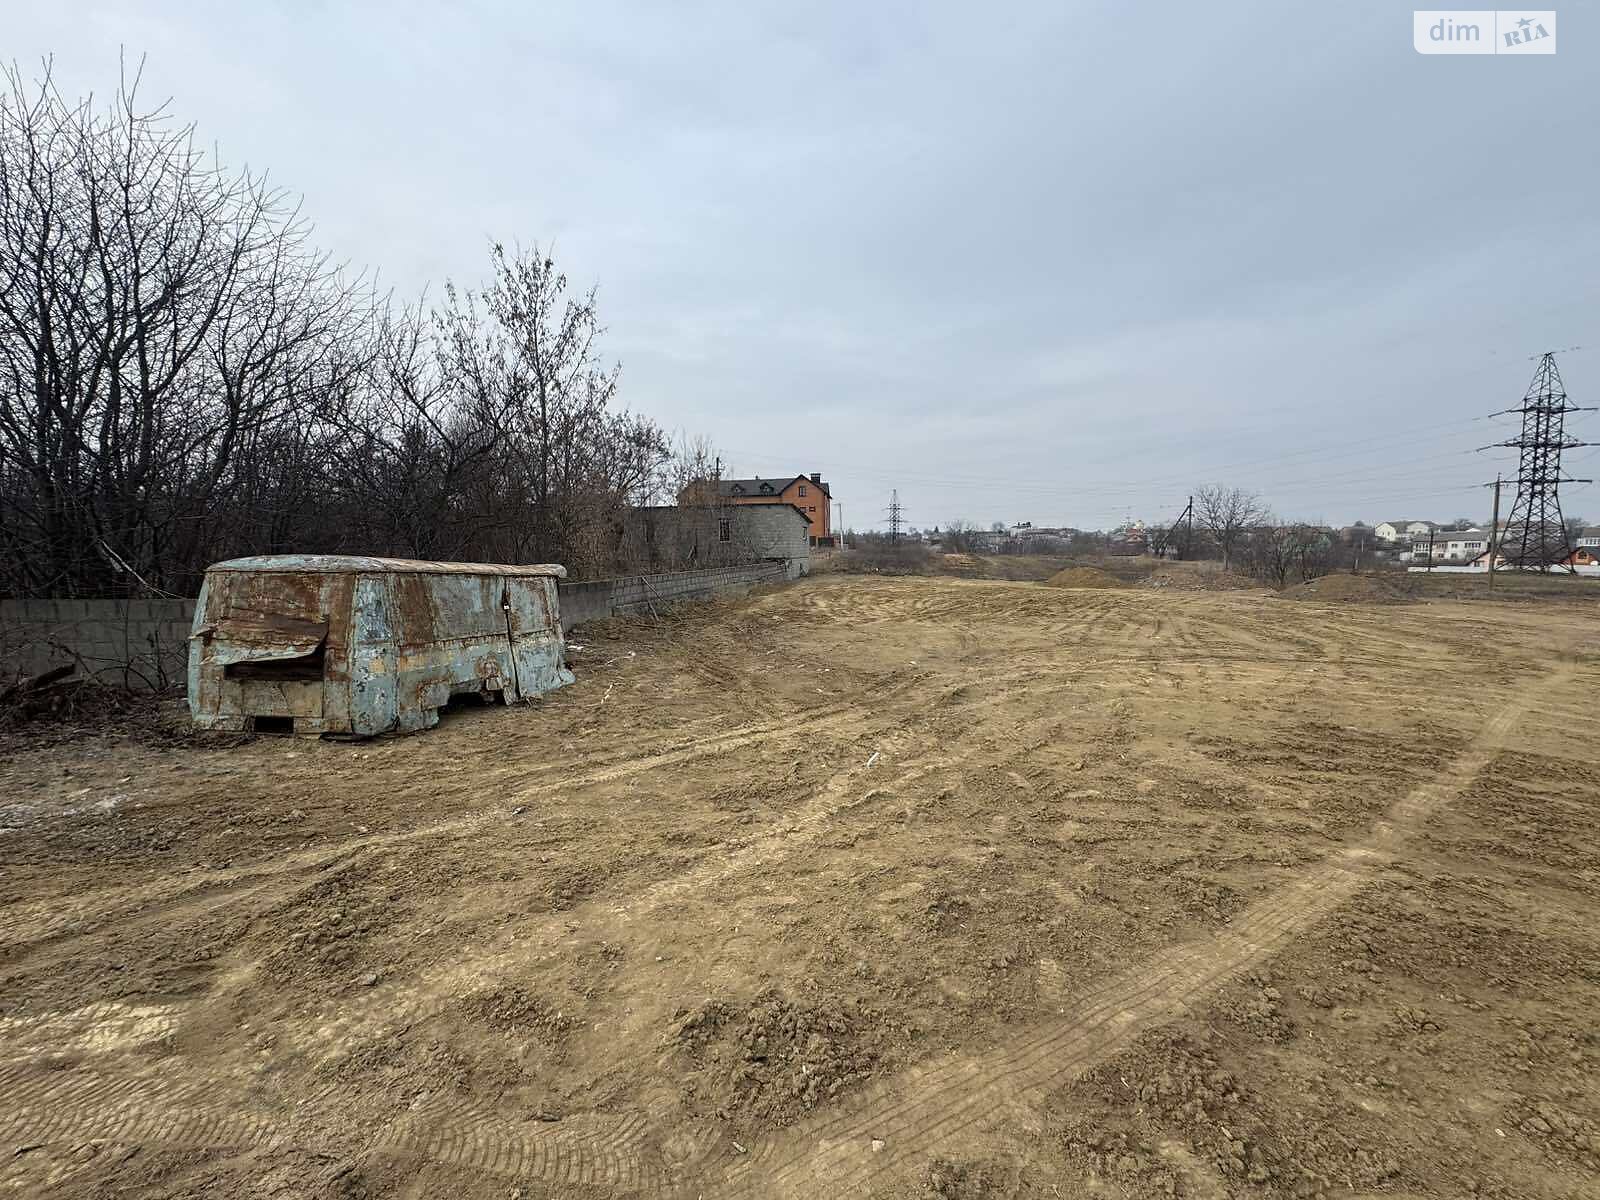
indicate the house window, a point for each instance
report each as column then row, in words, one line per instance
column 724, row 531
column 802, row 489
column 811, row 508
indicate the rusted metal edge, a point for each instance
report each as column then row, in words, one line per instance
column 347, row 564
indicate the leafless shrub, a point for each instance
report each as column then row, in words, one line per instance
column 878, row 554
column 1282, row 554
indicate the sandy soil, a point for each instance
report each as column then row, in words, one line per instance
column 915, row 887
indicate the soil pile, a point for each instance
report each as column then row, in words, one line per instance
column 777, row 1059
column 1350, row 588
column 1193, row 577
column 1083, row 577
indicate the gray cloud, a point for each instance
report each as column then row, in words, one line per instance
column 1020, row 263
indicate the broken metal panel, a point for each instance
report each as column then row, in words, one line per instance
column 245, row 637
column 538, row 650
column 344, row 644
column 370, row 701
column 453, row 640
column 301, row 699
column 253, row 633
column 204, row 685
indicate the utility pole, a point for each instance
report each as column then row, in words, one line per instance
column 1536, row 532
column 1186, row 521
column 1430, row 548
column 1494, row 531
column 895, row 516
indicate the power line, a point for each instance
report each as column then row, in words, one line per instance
column 1375, row 470
column 1378, row 472
column 1323, row 451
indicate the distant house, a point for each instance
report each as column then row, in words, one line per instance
column 1129, row 540
column 1450, row 545
column 808, row 493
column 1401, row 531
column 1588, row 538
column 1035, row 539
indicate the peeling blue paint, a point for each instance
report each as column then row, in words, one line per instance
column 398, row 639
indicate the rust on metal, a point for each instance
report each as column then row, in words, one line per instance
column 360, row 564
column 358, row 645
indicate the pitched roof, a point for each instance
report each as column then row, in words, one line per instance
column 767, row 487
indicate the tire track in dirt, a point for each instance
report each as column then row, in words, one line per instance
column 408, row 1002
column 285, row 875
column 46, row 1105
column 62, row 1104
column 77, row 1102
column 912, row 1115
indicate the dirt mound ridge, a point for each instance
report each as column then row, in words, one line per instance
column 1193, row 577
column 1350, row 587
column 1084, row 577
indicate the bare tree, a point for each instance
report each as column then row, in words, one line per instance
column 184, row 378
column 160, row 320
column 961, row 537
column 1226, row 513
column 692, row 471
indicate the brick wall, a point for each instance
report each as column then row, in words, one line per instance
column 136, row 643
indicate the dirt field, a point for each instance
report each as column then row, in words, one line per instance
column 918, row 887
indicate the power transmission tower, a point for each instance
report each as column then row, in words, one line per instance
column 1185, row 522
column 1536, row 532
column 896, row 515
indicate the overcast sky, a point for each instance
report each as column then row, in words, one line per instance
column 1033, row 262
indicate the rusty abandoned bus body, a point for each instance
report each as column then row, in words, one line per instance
column 343, row 644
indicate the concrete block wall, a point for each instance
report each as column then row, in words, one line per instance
column 593, row 599
column 586, row 601
column 773, row 531
column 145, row 643
column 136, row 643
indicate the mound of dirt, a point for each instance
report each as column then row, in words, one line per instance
column 1084, row 577
column 1197, row 577
column 776, row 1060
column 1349, row 588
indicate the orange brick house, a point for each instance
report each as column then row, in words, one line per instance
column 808, row 493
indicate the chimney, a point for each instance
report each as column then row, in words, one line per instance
column 816, row 478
